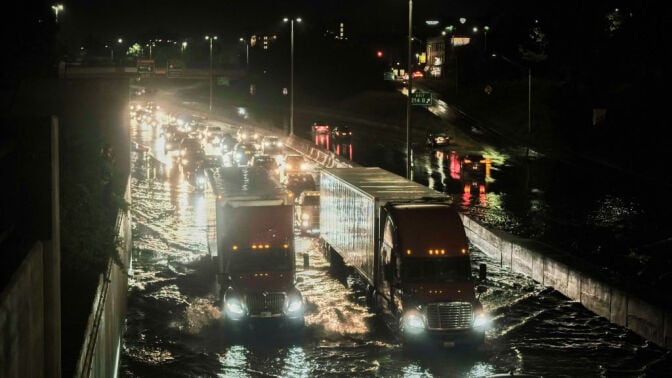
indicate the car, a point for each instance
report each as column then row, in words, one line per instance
column 299, row 182
column 438, row 139
column 243, row 153
column 172, row 143
column 214, row 138
column 292, row 164
column 191, row 153
column 320, row 129
column 267, row 162
column 473, row 165
column 341, row 134
column 271, row 145
column 245, row 135
column 227, row 143
column 307, row 211
column 417, row 75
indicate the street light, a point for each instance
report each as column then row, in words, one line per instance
column 57, row 8
column 291, row 75
column 247, row 52
column 485, row 33
column 184, row 46
column 410, row 92
column 150, row 45
column 207, row 37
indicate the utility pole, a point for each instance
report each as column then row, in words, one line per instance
column 409, row 155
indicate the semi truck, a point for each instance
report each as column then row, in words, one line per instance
column 409, row 246
column 252, row 240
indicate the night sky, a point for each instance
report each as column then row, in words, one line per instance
column 140, row 19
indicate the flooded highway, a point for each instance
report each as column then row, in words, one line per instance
column 174, row 329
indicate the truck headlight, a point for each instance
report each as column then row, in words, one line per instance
column 481, row 320
column 234, row 307
column 295, row 304
column 413, row 322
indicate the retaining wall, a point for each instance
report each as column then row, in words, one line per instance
column 22, row 319
column 99, row 356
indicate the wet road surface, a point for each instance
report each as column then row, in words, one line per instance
column 173, row 327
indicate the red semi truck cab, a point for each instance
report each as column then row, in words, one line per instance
column 257, row 264
column 427, row 275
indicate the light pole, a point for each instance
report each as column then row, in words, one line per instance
column 485, row 39
column 184, row 46
column 410, row 92
column 291, row 75
column 150, row 44
column 57, row 8
column 207, row 37
column 247, row 52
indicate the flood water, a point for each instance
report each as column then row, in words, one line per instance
column 173, row 326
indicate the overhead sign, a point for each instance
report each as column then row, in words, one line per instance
column 421, row 98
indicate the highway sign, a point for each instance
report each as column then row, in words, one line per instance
column 421, row 98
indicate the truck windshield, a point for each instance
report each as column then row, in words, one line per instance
column 271, row 260
column 436, row 270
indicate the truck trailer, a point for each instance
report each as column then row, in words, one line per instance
column 409, row 246
column 253, row 239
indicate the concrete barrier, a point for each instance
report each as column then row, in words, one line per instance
column 575, row 280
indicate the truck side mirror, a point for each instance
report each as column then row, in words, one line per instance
column 482, row 272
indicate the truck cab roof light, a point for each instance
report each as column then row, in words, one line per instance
column 464, row 251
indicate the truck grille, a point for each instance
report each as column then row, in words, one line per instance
column 449, row 315
column 272, row 303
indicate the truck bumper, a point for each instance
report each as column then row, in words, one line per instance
column 445, row 339
column 253, row 324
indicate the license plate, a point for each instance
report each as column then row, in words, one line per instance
column 265, row 314
column 448, row 344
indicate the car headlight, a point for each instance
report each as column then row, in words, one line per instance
column 234, row 307
column 305, row 216
column 201, row 180
column 481, row 320
column 185, row 161
column 413, row 322
column 305, row 166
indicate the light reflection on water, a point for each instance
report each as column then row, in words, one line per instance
column 173, row 317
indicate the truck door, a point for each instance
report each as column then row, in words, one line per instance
column 387, row 264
